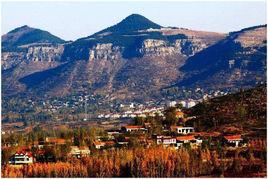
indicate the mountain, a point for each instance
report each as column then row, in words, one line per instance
column 26, row 35
column 26, row 50
column 130, row 34
column 122, row 64
column 237, row 60
column 130, row 61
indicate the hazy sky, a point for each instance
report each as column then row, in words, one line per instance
column 72, row 20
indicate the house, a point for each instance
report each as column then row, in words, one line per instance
column 21, row 157
column 98, row 144
column 171, row 103
column 123, row 141
column 190, row 104
column 182, row 130
column 190, row 139
column 165, row 140
column 79, row 151
column 109, row 143
column 133, row 128
column 38, row 144
column 233, row 140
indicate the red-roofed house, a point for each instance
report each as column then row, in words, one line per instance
column 190, row 139
column 98, row 144
column 233, row 140
column 21, row 157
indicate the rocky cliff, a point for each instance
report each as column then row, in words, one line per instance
column 104, row 51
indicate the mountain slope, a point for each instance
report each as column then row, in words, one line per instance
column 244, row 111
column 123, row 64
column 27, row 50
column 238, row 60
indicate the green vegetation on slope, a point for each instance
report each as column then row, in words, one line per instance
column 244, row 111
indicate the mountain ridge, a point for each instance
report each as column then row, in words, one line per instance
column 132, row 64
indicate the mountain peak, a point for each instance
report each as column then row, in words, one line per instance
column 21, row 29
column 133, row 22
column 26, row 35
column 135, row 17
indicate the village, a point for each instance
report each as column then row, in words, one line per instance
column 173, row 136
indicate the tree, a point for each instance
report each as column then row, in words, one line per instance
column 170, row 115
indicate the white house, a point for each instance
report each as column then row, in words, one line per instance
column 171, row 104
column 165, row 140
column 79, row 151
column 190, row 104
column 21, row 157
column 182, row 130
column 183, row 103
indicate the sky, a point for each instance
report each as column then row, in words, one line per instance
column 73, row 20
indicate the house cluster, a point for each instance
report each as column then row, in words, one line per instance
column 24, row 154
column 186, row 138
column 185, row 103
column 179, row 141
column 132, row 113
column 196, row 139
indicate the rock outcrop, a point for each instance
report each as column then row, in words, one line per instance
column 104, row 51
column 11, row 59
column 32, row 54
column 45, row 53
column 186, row 47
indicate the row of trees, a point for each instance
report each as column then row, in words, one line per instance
column 137, row 162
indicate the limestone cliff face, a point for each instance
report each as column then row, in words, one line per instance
column 32, row 54
column 44, row 53
column 189, row 47
column 11, row 59
column 105, row 52
column 186, row 47
column 152, row 47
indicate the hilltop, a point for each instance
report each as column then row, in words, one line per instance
column 26, row 35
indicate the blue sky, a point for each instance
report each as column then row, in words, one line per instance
column 73, row 20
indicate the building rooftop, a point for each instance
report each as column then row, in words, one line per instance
column 233, row 137
column 189, row 137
